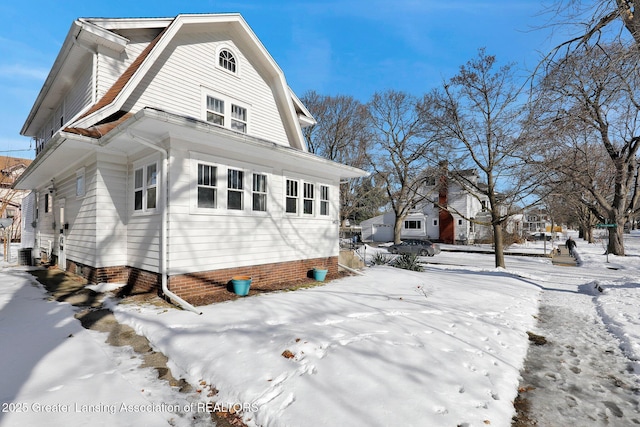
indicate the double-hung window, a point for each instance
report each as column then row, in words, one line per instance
column 226, row 112
column 291, row 203
column 308, row 199
column 235, row 189
column 145, row 192
column 207, row 186
column 215, row 111
column 259, row 192
column 324, row 200
column 238, row 118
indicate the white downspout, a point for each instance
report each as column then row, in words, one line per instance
column 163, row 231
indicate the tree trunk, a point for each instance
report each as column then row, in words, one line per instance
column 616, row 243
column 498, row 245
column 588, row 235
column 397, row 229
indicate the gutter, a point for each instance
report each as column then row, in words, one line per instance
column 163, row 231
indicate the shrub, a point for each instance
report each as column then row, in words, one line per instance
column 408, row 262
column 381, row 258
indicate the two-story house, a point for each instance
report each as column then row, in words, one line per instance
column 170, row 154
column 449, row 214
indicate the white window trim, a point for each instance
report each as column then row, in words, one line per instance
column 314, row 199
column 417, row 222
column 222, row 167
column 327, row 200
column 264, row 193
column 228, row 102
column 317, row 201
column 144, row 164
column 235, row 54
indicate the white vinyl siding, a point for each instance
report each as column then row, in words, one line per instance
column 77, row 99
column 210, row 239
column 81, row 94
column 188, row 66
column 111, row 65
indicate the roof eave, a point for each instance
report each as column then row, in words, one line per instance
column 72, row 42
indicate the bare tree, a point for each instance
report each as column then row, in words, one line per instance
column 595, row 21
column 588, row 111
column 478, row 113
column 341, row 135
column 401, row 146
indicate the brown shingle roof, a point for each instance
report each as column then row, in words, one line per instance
column 7, row 166
column 8, row 163
column 103, row 127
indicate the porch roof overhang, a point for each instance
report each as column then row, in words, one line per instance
column 66, row 148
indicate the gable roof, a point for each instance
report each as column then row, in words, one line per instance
column 294, row 115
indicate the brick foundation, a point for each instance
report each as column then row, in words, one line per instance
column 200, row 284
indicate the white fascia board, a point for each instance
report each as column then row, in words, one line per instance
column 130, row 23
column 95, row 34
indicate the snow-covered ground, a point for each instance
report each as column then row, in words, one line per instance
column 443, row 347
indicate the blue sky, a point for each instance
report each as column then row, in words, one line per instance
column 348, row 47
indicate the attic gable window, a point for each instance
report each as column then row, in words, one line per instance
column 227, row 61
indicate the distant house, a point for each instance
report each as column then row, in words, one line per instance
column 11, row 199
column 536, row 220
column 170, row 154
column 445, row 218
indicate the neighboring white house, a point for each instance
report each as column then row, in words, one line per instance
column 428, row 220
column 170, row 154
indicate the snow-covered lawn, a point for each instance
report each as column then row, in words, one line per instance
column 443, row 347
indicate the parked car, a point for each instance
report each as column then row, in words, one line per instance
column 415, row 246
column 539, row 236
